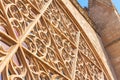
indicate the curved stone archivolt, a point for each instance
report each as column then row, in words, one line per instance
column 40, row 41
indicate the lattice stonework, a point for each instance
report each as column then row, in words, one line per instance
column 40, row 41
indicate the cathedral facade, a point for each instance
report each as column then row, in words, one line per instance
column 59, row 40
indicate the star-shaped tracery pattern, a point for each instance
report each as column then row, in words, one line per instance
column 40, row 41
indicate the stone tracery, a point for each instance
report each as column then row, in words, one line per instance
column 41, row 43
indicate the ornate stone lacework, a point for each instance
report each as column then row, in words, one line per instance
column 61, row 21
column 40, row 41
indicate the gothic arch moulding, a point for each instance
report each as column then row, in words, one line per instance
column 39, row 40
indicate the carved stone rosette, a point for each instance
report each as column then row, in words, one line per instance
column 40, row 41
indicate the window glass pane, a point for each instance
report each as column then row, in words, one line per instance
column 0, row 76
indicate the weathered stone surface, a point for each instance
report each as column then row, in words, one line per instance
column 51, row 40
column 107, row 22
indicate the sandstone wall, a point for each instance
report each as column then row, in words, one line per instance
column 107, row 23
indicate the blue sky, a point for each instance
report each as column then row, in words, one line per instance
column 115, row 2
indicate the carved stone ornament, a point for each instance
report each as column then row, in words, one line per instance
column 40, row 41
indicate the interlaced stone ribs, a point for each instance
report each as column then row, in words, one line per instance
column 40, row 41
